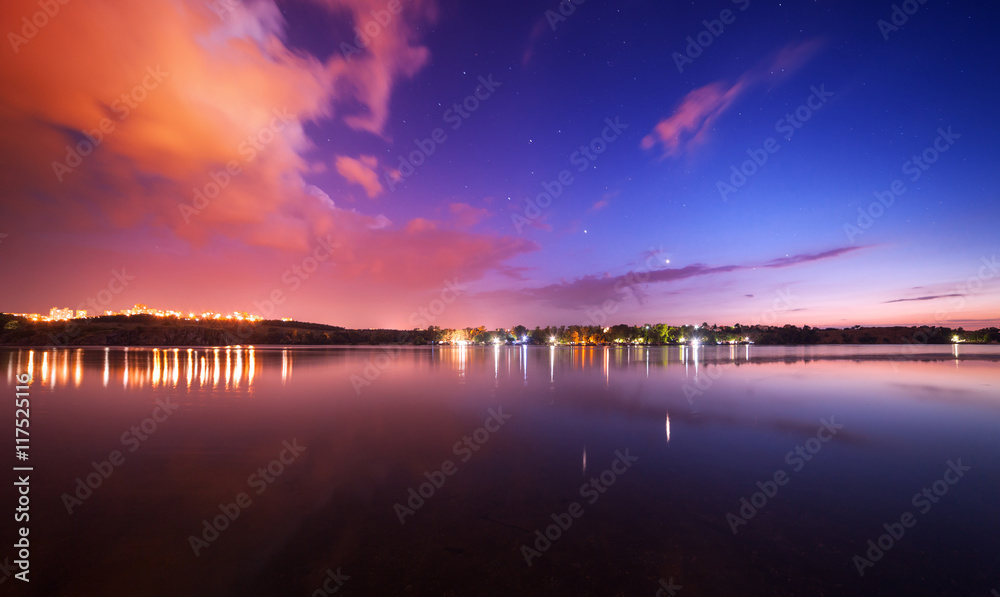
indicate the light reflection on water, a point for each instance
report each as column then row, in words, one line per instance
column 707, row 422
column 174, row 368
column 234, row 368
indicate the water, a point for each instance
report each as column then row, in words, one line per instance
column 673, row 439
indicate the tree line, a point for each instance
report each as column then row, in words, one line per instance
column 146, row 330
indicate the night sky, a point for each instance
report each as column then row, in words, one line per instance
column 399, row 168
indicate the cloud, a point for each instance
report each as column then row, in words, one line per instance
column 360, row 171
column 206, row 105
column 222, row 81
column 421, row 225
column 805, row 257
column 689, row 125
column 319, row 193
column 598, row 205
column 696, row 114
column 368, row 77
column 465, row 215
column 595, row 289
column 423, row 253
column 536, row 32
column 923, row 298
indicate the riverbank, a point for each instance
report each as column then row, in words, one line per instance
column 143, row 330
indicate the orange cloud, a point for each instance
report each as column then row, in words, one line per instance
column 360, row 171
column 164, row 116
column 688, row 127
column 420, row 225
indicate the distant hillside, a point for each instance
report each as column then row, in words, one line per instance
column 148, row 330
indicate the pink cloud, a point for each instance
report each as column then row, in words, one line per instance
column 465, row 215
column 599, row 205
column 420, row 225
column 360, row 171
column 368, row 75
column 536, row 32
column 594, row 289
column 222, row 115
column 689, row 126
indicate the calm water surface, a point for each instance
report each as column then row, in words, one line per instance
column 722, row 471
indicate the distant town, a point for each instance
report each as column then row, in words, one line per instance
column 65, row 314
column 146, row 326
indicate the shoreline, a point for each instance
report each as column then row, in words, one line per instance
column 152, row 331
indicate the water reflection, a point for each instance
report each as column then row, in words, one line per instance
column 138, row 367
column 904, row 416
column 238, row 368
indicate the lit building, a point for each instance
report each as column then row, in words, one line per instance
column 57, row 314
column 140, row 309
column 65, row 313
column 31, row 316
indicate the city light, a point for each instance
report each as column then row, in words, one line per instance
column 66, row 314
